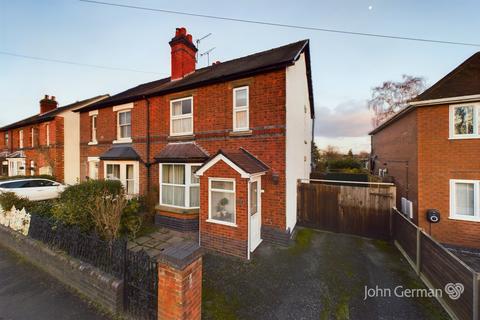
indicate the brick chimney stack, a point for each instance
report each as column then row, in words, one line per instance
column 48, row 104
column 183, row 54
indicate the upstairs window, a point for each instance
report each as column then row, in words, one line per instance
column 464, row 121
column 240, row 109
column 181, row 116
column 7, row 140
column 20, row 139
column 32, row 136
column 94, row 128
column 124, row 125
column 47, row 129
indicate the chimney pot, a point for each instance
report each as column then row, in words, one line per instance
column 46, row 96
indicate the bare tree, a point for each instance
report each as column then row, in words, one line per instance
column 392, row 97
column 107, row 214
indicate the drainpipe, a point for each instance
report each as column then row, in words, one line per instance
column 147, row 163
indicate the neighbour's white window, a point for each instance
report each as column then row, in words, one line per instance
column 240, row 109
column 7, row 140
column 125, row 171
column 47, row 129
column 464, row 121
column 20, row 139
column 179, row 185
column 464, row 196
column 222, row 201
column 32, row 136
column 124, row 125
column 32, row 168
column 181, row 116
column 94, row 128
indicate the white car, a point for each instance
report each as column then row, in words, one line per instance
column 33, row 189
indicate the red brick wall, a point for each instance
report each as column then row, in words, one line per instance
column 40, row 153
column 212, row 111
column 440, row 160
column 396, row 150
column 226, row 239
column 180, row 292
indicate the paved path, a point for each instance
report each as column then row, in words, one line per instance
column 28, row 293
column 157, row 241
column 322, row 276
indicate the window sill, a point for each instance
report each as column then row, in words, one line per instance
column 185, row 137
column 228, row 224
column 129, row 140
column 464, row 137
column 167, row 208
column 464, row 218
column 240, row 133
column 93, row 143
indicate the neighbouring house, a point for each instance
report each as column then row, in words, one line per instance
column 220, row 147
column 46, row 143
column 431, row 150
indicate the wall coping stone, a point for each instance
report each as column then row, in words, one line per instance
column 180, row 255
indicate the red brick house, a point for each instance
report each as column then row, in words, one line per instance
column 431, row 150
column 221, row 147
column 36, row 145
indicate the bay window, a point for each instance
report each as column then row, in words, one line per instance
column 240, row 109
column 179, row 185
column 464, row 196
column 127, row 172
column 222, row 201
column 464, row 121
column 181, row 116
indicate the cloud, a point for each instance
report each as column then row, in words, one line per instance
column 348, row 119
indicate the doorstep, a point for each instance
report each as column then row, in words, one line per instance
column 184, row 220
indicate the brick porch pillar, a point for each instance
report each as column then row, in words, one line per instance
column 180, row 282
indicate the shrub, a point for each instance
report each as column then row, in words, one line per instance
column 76, row 204
column 346, row 163
column 131, row 222
column 10, row 199
column 107, row 214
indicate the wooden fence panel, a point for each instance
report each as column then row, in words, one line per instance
column 361, row 210
column 441, row 267
column 405, row 233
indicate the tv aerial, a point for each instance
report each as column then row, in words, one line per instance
column 200, row 40
column 207, row 53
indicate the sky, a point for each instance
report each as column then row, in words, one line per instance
column 344, row 67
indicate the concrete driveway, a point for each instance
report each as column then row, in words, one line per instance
column 322, row 276
column 28, row 293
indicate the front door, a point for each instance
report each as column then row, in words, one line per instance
column 255, row 211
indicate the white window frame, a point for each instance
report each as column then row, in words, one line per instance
column 476, row 121
column 187, row 185
column 172, row 117
column 7, row 140
column 32, row 137
column 92, row 161
column 210, row 189
column 241, row 108
column 121, row 109
column 123, row 174
column 47, row 129
column 476, row 206
column 20, row 139
column 94, row 125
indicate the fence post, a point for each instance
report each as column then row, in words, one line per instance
column 391, row 223
column 418, row 262
column 475, row 296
